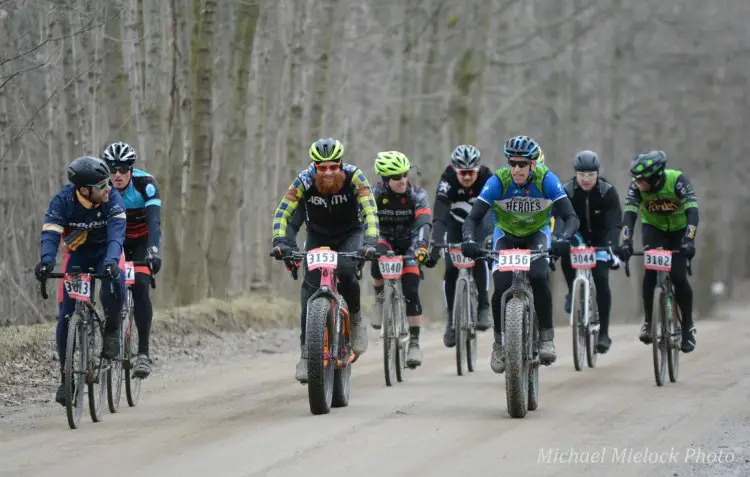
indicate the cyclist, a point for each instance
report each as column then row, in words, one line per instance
column 521, row 194
column 597, row 205
column 90, row 218
column 458, row 189
column 140, row 195
column 332, row 193
column 669, row 212
column 405, row 224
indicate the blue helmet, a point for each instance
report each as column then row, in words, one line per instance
column 522, row 146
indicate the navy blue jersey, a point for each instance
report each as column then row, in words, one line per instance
column 85, row 227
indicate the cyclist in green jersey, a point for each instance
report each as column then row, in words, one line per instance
column 669, row 211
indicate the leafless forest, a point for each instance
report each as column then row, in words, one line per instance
column 222, row 98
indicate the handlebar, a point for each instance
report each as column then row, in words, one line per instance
column 76, row 271
column 298, row 256
column 640, row 254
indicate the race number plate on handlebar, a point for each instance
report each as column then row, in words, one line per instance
column 78, row 287
column 658, row 260
column 322, row 258
column 582, row 258
column 514, row 260
column 391, row 268
column 459, row 259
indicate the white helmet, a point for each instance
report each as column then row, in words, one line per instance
column 465, row 157
column 119, row 154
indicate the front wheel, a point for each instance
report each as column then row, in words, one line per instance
column 390, row 341
column 320, row 365
column 342, row 377
column 674, row 331
column 115, row 374
column 534, row 371
column 592, row 330
column 578, row 309
column 659, row 343
column 461, row 319
column 516, row 371
column 73, row 371
column 471, row 331
column 97, row 371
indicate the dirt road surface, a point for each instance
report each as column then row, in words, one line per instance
column 247, row 419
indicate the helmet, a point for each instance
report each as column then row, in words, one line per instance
column 465, row 157
column 327, row 149
column 119, row 154
column 586, row 161
column 522, row 146
column 88, row 171
column 648, row 166
column 391, row 163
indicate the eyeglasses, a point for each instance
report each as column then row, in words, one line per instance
column 120, row 169
column 586, row 174
column 397, row 178
column 333, row 167
column 519, row 164
column 466, row 172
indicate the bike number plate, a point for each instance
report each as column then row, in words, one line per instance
column 78, row 288
column 129, row 273
column 322, row 258
column 391, row 268
column 459, row 259
column 514, row 260
column 582, row 258
column 658, row 260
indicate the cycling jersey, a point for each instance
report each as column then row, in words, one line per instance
column 522, row 210
column 142, row 203
column 332, row 215
column 404, row 217
column 84, row 226
column 598, row 210
column 666, row 209
column 460, row 198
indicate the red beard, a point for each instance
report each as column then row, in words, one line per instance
column 329, row 185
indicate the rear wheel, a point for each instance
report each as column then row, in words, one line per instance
column 659, row 343
column 132, row 384
column 516, row 371
column 96, row 372
column 320, row 366
column 674, row 330
column 471, row 332
column 401, row 334
column 115, row 375
column 390, row 339
column 75, row 365
column 460, row 322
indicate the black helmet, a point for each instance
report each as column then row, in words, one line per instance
column 649, row 166
column 88, row 171
column 586, row 161
column 522, row 146
column 465, row 157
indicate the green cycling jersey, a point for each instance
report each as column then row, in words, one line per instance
column 665, row 208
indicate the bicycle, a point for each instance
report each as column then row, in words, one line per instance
column 464, row 308
column 666, row 325
column 86, row 327
column 521, row 330
column 395, row 329
column 328, row 332
column 121, row 367
column 584, row 312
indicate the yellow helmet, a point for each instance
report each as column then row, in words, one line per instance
column 391, row 163
column 325, row 150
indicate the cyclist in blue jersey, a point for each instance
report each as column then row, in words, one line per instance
column 143, row 206
column 89, row 216
column 521, row 195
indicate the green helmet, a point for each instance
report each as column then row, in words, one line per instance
column 325, row 150
column 391, row 163
column 649, row 166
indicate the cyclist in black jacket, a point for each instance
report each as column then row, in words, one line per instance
column 597, row 205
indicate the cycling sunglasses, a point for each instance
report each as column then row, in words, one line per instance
column 466, row 172
column 397, row 178
column 102, row 185
column 120, row 169
column 519, row 164
column 333, row 167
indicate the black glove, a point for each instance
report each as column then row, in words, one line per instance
column 368, row 250
column 471, row 249
column 154, row 259
column 433, row 259
column 112, row 271
column 687, row 248
column 625, row 250
column 42, row 269
column 560, row 246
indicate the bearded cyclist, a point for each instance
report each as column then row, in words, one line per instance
column 140, row 194
column 669, row 212
column 405, row 224
column 89, row 216
column 597, row 205
column 521, row 195
column 457, row 191
column 333, row 194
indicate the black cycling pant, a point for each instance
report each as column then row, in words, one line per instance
column 480, row 271
column 411, row 274
column 348, row 284
column 600, row 274
column 136, row 250
column 654, row 238
column 538, row 277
